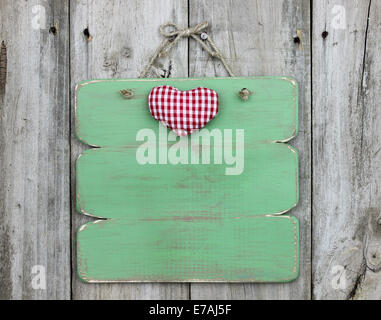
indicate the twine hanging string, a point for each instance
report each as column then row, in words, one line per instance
column 171, row 38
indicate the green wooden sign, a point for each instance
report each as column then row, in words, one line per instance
column 206, row 207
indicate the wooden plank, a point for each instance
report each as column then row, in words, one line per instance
column 105, row 118
column 347, row 142
column 246, row 249
column 111, row 183
column 120, row 48
column 256, row 42
column 34, row 150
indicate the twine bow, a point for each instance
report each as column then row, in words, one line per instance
column 172, row 37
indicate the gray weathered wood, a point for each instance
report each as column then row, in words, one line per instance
column 123, row 36
column 257, row 37
column 34, row 149
column 346, row 151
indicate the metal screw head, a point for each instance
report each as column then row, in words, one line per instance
column 204, row 36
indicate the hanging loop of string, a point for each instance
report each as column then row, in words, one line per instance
column 172, row 37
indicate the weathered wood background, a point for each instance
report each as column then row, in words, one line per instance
column 331, row 47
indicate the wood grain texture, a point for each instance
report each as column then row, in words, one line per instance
column 111, row 183
column 34, row 149
column 119, row 47
column 346, row 148
column 257, row 37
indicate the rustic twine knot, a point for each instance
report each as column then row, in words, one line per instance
column 177, row 34
column 244, row 94
column 172, row 37
column 127, row 93
column 182, row 32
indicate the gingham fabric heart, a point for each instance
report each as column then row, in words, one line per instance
column 183, row 112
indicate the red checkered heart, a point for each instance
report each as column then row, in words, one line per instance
column 183, row 112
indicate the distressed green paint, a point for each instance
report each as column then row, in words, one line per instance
column 244, row 249
column 105, row 118
column 111, row 184
column 188, row 222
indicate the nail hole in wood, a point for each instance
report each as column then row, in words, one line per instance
column 296, row 40
column 325, row 34
column 87, row 34
column 53, row 30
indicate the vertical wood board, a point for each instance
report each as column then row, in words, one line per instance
column 119, row 48
column 347, row 144
column 34, row 150
column 257, row 37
